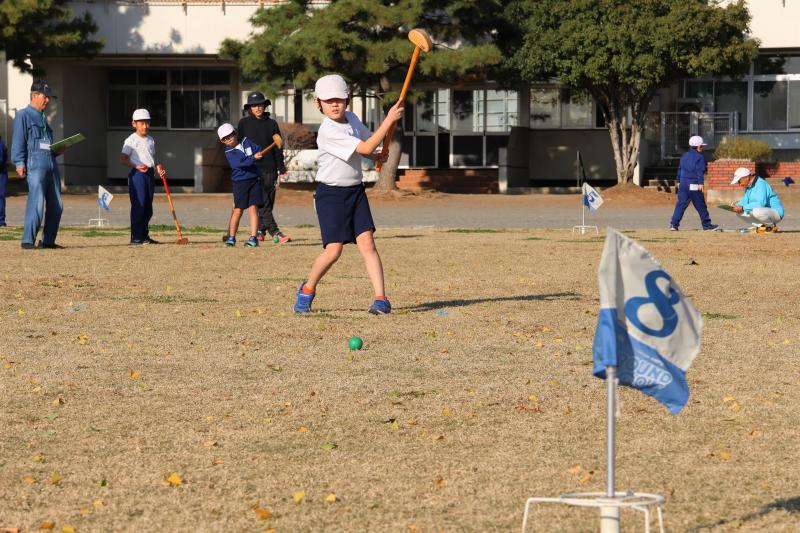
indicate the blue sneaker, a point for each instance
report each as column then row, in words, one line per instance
column 380, row 307
column 711, row 227
column 231, row 241
column 252, row 242
column 303, row 303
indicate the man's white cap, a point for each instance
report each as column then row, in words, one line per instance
column 740, row 173
column 141, row 114
column 224, row 130
column 696, row 140
column 331, row 86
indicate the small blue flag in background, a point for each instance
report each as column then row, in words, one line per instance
column 646, row 327
column 591, row 198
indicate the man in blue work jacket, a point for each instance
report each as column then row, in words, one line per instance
column 691, row 175
column 31, row 154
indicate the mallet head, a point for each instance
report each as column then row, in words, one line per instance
column 277, row 140
column 421, row 39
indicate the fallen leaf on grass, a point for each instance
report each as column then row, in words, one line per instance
column 173, row 479
column 135, row 374
column 66, row 528
column 533, row 398
column 447, row 412
column 262, row 513
column 8, row 365
column 735, row 407
column 574, row 470
column 440, row 482
column 21, row 312
column 275, row 368
column 329, row 446
column 586, row 477
column 755, row 433
column 238, row 314
column 210, row 444
column 217, row 462
column 725, row 455
column 29, row 480
column 47, row 524
column 302, row 429
column 55, row 478
column 299, row 496
column 82, row 339
column 38, row 458
column 330, row 498
column 437, row 438
column 99, row 504
column 58, row 401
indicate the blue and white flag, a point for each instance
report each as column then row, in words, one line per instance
column 591, row 198
column 646, row 327
column 104, row 197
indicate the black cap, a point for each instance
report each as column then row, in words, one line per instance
column 41, row 86
column 255, row 98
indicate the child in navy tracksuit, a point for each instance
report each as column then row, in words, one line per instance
column 245, row 177
column 139, row 153
column 341, row 202
column 3, row 181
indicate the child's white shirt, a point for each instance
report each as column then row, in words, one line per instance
column 338, row 163
column 140, row 150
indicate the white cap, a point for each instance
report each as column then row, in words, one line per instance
column 331, row 86
column 224, row 130
column 740, row 173
column 141, row 114
column 696, row 140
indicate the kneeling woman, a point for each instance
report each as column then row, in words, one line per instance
column 760, row 205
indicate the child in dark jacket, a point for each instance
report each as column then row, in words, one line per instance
column 247, row 194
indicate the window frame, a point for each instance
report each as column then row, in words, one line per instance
column 169, row 88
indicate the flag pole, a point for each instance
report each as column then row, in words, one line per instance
column 609, row 515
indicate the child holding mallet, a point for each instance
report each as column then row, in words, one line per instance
column 242, row 157
column 138, row 153
column 340, row 200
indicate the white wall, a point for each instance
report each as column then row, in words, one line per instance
column 167, row 29
column 775, row 22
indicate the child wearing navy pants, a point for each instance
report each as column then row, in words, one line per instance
column 139, row 152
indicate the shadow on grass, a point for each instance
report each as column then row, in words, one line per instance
column 790, row 505
column 430, row 306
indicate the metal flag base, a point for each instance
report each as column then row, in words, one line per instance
column 609, row 507
column 99, row 221
column 584, row 229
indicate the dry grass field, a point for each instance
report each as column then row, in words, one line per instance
column 167, row 388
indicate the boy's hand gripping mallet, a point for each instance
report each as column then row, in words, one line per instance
column 163, row 174
column 422, row 41
column 277, row 142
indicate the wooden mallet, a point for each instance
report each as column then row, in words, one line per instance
column 163, row 174
column 421, row 41
column 277, row 142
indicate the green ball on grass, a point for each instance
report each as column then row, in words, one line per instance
column 276, row 240
column 355, row 343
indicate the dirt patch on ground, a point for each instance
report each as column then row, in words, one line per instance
column 630, row 195
column 124, row 368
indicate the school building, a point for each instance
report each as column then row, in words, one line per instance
column 473, row 137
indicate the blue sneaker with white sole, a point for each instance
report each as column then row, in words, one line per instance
column 380, row 307
column 303, row 303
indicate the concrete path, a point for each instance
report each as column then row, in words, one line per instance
column 442, row 210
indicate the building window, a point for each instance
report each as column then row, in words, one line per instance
column 481, row 120
column 559, row 108
column 769, row 105
column 731, row 97
column 177, row 98
column 423, row 120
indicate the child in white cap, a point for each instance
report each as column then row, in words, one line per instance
column 139, row 153
column 341, row 202
column 246, row 181
column 691, row 175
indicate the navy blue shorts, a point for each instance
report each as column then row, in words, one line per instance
column 247, row 193
column 343, row 213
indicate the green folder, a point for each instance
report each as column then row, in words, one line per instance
column 66, row 143
column 726, row 207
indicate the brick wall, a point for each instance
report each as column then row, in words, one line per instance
column 720, row 173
